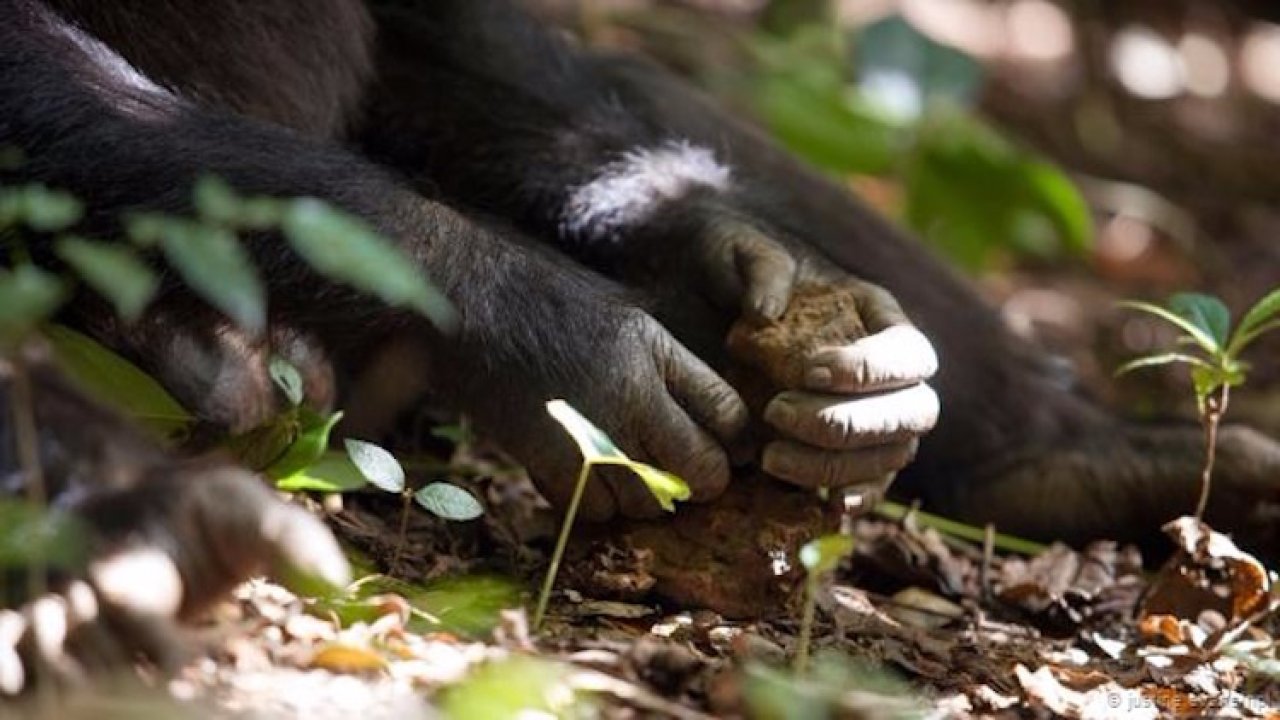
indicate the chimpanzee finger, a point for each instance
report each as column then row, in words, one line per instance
column 711, row 402
column 47, row 622
column 838, row 422
column 815, row 467
column 554, row 469
column 678, row 445
column 13, row 675
column 896, row 357
column 767, row 273
column 632, row 496
column 243, row 529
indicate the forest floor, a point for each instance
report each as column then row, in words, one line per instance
column 913, row 624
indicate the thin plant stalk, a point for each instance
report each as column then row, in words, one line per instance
column 801, row 661
column 1214, row 409
column 558, row 554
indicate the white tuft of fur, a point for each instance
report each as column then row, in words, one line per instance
column 122, row 85
column 626, row 191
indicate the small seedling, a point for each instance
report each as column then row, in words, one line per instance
column 384, row 472
column 1212, row 350
column 598, row 449
column 819, row 557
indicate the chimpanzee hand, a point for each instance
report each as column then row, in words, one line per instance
column 863, row 405
column 162, row 551
column 572, row 337
column 164, row 538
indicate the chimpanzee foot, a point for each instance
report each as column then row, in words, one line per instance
column 221, row 373
column 161, row 551
column 1124, row 484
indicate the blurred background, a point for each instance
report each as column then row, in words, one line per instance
column 1064, row 154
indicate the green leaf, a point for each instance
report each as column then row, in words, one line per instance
column 823, row 554
column 1049, row 189
column 1256, row 321
column 332, row 473
column 216, row 202
column 261, row 213
column 46, row 210
column 1207, row 313
column 113, row 271
column 31, row 535
column 148, row 229
column 1161, row 359
column 28, row 297
column 118, row 382
column 287, row 378
column 1193, row 332
column 313, row 440
column 449, row 502
column 379, row 467
column 665, row 487
column 598, row 449
column 345, row 249
column 594, row 444
column 827, row 127
column 216, row 266
column 457, row 434
column 261, row 447
column 519, row 686
column 973, row 194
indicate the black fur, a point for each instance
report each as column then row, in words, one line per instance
column 470, row 104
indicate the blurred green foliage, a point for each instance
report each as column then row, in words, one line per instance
column 891, row 103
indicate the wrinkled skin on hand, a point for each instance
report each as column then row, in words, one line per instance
column 164, row 538
column 862, row 404
column 579, row 341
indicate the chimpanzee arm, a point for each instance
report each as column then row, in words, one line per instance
column 501, row 113
column 531, row 326
column 1019, row 445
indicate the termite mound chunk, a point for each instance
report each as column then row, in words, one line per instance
column 736, row 555
column 819, row 316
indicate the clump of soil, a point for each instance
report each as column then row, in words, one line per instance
column 737, row 555
column 818, row 316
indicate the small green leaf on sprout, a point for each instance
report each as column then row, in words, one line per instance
column 287, row 378
column 377, row 465
column 599, row 449
column 449, row 502
column 823, row 554
column 1213, row 354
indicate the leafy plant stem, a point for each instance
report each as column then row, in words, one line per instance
column 1214, row 408
column 558, row 554
column 801, row 661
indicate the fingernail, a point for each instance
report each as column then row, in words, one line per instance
column 818, row 378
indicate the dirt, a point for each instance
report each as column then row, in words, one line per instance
column 736, row 556
column 818, row 316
